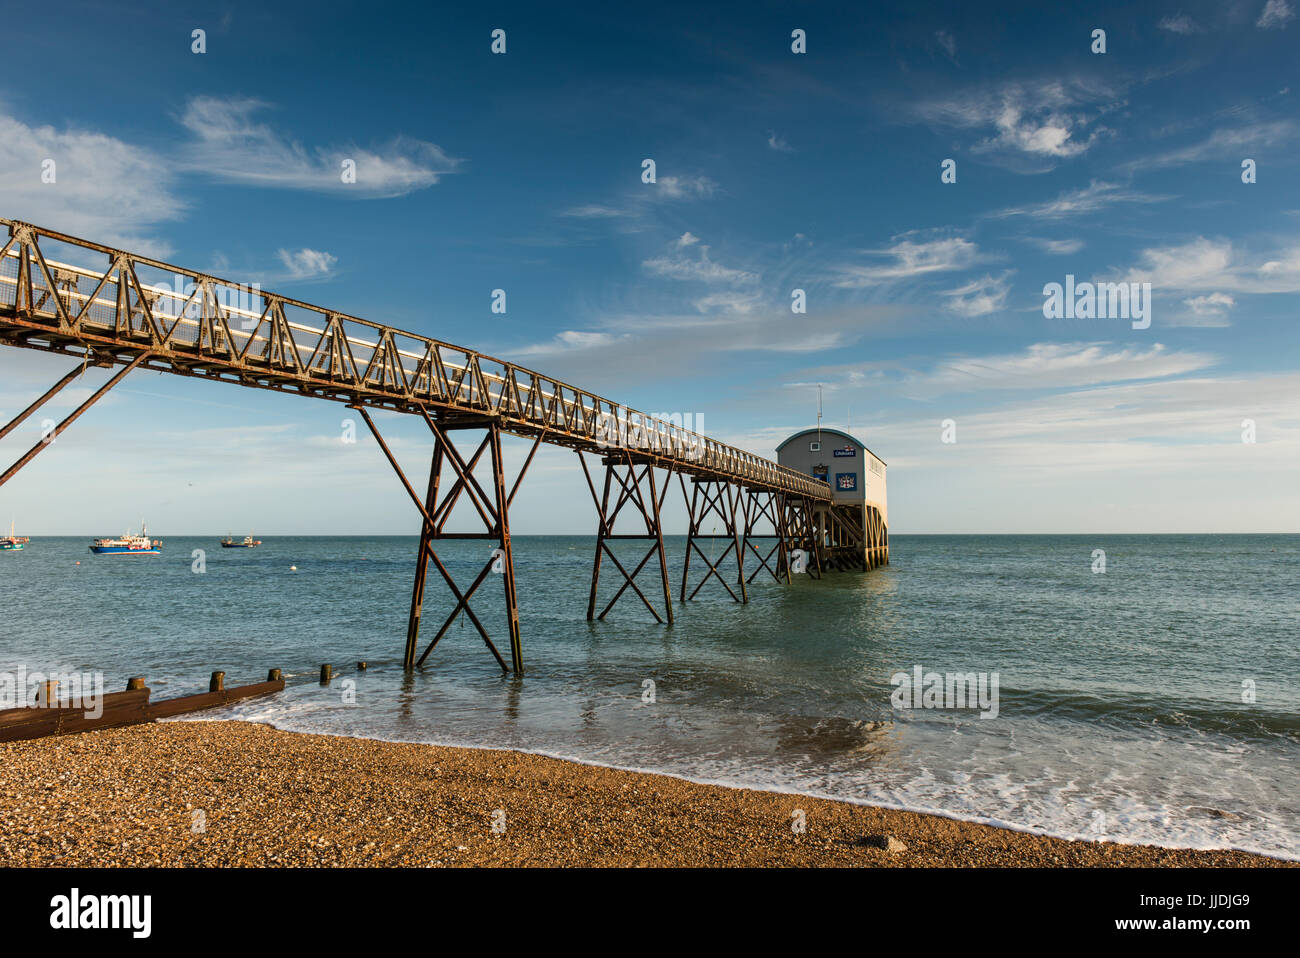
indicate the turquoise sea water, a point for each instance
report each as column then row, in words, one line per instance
column 1121, row 711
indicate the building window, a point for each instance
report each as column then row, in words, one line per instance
column 814, row 447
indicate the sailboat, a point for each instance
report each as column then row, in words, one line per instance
column 12, row 542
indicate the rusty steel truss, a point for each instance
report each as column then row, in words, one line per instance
column 107, row 307
column 637, row 489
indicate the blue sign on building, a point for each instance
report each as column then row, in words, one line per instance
column 846, row 481
column 848, row 452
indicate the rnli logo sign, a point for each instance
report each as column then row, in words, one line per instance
column 848, row 452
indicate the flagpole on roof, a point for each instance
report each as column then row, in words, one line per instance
column 819, row 412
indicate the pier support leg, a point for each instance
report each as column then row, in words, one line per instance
column 19, row 419
column 760, row 506
column 711, row 497
column 71, row 418
column 848, row 534
column 877, row 538
column 802, row 533
column 427, row 530
column 637, row 487
column 437, row 507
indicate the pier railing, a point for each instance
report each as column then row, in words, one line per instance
column 191, row 323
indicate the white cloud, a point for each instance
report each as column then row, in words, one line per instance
column 1181, row 23
column 1215, row 304
column 307, row 263
column 1188, row 408
column 594, row 211
column 229, row 144
column 579, row 339
column 688, row 260
column 1058, row 365
column 635, row 210
column 979, row 297
column 105, row 189
column 1138, row 454
column 778, row 144
column 1097, row 195
column 910, row 258
column 1216, row 266
column 1044, row 120
column 1275, row 15
column 1222, row 144
column 113, row 192
column 946, row 41
column 684, row 187
column 729, row 301
column 640, row 348
column 1055, row 247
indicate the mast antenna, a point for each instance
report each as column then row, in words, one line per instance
column 819, row 412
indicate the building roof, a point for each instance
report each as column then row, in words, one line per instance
column 826, row 431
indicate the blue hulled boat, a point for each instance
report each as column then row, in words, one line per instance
column 128, row 544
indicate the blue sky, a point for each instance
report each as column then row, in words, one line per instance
column 775, row 171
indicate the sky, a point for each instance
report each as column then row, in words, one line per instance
column 774, row 171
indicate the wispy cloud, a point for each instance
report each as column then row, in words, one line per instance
column 1275, row 15
column 1217, row 266
column 777, row 143
column 682, row 187
column 230, row 144
column 1058, row 366
column 1040, row 366
column 1180, row 23
column 654, row 347
column 594, row 211
column 1056, row 247
column 103, row 188
column 688, row 259
column 1209, row 310
column 634, row 209
column 982, row 296
column 1226, row 143
column 1046, row 121
column 91, row 184
column 908, row 258
column 1097, row 195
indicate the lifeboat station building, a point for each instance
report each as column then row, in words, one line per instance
column 853, row 533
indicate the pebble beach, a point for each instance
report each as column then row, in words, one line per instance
column 226, row 793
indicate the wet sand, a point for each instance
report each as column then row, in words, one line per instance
column 235, row 793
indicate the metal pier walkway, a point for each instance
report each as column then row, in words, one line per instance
column 112, row 308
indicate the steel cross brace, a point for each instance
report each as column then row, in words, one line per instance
column 636, row 487
column 846, row 528
column 803, row 531
column 712, row 496
column 436, row 509
column 758, row 505
column 48, row 440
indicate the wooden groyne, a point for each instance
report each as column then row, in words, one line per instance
column 131, row 707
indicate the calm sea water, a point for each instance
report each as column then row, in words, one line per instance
column 1121, row 712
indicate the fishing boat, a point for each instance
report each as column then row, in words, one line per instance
column 12, row 542
column 245, row 543
column 128, row 544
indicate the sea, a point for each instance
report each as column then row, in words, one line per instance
column 1157, row 701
